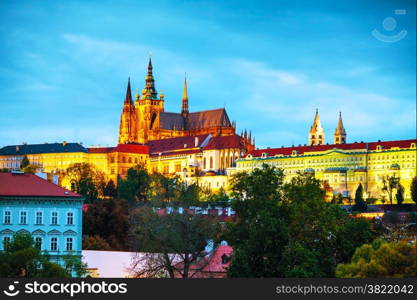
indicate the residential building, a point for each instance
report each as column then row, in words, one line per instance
column 50, row 213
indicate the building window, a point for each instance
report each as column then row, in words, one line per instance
column 70, row 218
column 38, row 219
column 54, row 218
column 7, row 217
column 69, row 244
column 54, row 244
column 38, row 242
column 136, row 160
column 23, row 217
column 6, row 241
column 211, row 162
column 130, row 160
column 225, row 259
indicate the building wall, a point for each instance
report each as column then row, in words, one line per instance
column 344, row 169
column 45, row 230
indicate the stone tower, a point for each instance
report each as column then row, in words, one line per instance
column 148, row 107
column 127, row 127
column 340, row 132
column 316, row 136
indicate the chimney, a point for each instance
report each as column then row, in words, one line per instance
column 17, row 148
column 64, row 143
column 196, row 142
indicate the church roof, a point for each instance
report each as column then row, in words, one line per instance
column 42, row 148
column 225, row 142
column 195, row 120
column 124, row 148
column 351, row 146
column 170, row 121
column 208, row 118
column 176, row 144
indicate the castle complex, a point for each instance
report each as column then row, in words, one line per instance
column 204, row 147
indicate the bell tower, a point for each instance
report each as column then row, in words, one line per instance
column 340, row 132
column 316, row 135
column 148, row 106
column 127, row 128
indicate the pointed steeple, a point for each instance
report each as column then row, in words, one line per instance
column 340, row 129
column 149, row 92
column 184, row 110
column 340, row 132
column 316, row 135
column 128, row 98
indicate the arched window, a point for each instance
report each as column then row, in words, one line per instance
column 153, row 118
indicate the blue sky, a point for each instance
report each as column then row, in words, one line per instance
column 64, row 66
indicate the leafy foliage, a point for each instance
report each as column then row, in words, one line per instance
column 360, row 204
column 381, row 259
column 95, row 242
column 288, row 230
column 179, row 236
column 86, row 180
column 109, row 220
column 25, row 162
column 22, row 259
column 413, row 189
column 136, row 187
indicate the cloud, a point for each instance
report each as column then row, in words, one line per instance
column 283, row 99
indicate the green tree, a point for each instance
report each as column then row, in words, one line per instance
column 95, row 242
column 135, row 188
column 360, row 204
column 86, row 180
column 109, row 220
column 400, row 194
column 25, row 162
column 110, row 189
column 413, row 189
column 389, row 184
column 22, row 259
column 288, row 230
column 74, row 265
column 260, row 232
column 164, row 189
column 176, row 242
column 381, row 259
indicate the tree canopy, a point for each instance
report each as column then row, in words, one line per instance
column 21, row 258
column 86, row 180
column 287, row 229
column 381, row 259
column 175, row 241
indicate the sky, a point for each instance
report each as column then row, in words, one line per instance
column 64, row 66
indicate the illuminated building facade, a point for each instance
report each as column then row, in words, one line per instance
column 342, row 165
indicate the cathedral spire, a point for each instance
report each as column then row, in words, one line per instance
column 128, row 98
column 316, row 136
column 184, row 110
column 149, row 92
column 340, row 132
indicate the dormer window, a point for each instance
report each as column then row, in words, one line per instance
column 413, row 146
column 264, row 155
column 294, row 152
column 225, row 259
column 378, row 148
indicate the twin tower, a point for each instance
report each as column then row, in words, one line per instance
column 316, row 136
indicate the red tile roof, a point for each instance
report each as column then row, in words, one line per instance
column 351, row 146
column 125, row 148
column 215, row 264
column 101, row 150
column 184, row 142
column 132, row 148
column 225, row 142
column 29, row 185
